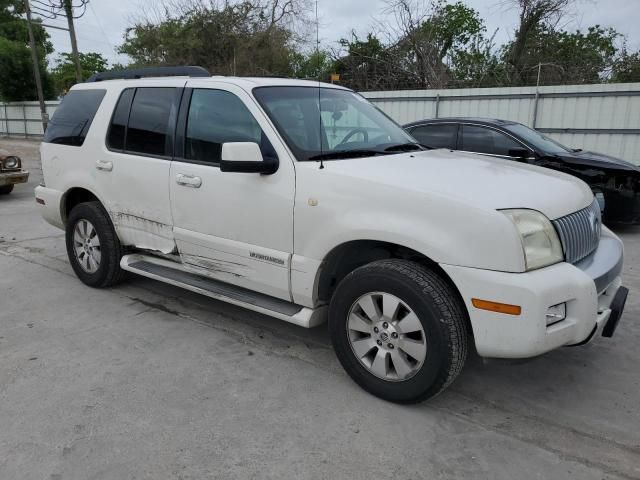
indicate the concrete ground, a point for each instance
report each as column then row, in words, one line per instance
column 146, row 381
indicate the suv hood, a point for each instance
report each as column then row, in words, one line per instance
column 477, row 180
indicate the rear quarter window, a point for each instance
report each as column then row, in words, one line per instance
column 72, row 119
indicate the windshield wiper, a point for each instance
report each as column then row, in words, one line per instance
column 347, row 154
column 405, row 147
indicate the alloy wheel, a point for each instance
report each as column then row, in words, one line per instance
column 86, row 245
column 386, row 336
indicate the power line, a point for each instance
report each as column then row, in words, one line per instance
column 52, row 9
column 104, row 34
column 58, row 8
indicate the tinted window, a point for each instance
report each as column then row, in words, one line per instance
column 436, row 135
column 536, row 139
column 149, row 120
column 115, row 139
column 216, row 117
column 486, row 140
column 72, row 119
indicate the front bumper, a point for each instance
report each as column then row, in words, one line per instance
column 587, row 288
column 13, row 178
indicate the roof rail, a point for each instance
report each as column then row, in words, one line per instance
column 133, row 73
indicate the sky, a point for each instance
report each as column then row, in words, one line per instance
column 102, row 27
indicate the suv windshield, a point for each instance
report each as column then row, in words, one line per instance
column 536, row 139
column 328, row 123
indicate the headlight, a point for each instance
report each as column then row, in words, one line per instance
column 540, row 241
column 11, row 163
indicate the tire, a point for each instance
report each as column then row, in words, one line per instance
column 6, row 189
column 107, row 250
column 433, row 303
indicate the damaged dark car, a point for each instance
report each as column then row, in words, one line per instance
column 615, row 182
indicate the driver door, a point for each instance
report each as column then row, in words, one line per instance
column 233, row 227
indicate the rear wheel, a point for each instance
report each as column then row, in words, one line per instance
column 399, row 330
column 93, row 246
column 6, row 189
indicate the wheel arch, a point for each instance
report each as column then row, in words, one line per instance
column 72, row 197
column 346, row 257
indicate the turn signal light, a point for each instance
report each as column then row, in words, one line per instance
column 496, row 307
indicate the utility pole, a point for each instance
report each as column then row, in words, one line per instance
column 68, row 10
column 537, row 96
column 36, row 68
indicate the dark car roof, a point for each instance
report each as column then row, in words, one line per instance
column 482, row 121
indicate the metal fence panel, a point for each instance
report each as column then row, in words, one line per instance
column 601, row 117
column 22, row 119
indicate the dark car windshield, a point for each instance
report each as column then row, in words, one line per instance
column 536, row 139
column 328, row 123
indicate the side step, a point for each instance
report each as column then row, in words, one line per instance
column 175, row 274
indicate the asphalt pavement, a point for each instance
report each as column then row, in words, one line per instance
column 147, row 381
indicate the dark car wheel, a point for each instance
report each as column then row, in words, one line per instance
column 399, row 330
column 6, row 189
column 93, row 246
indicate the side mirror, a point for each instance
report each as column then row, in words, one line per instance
column 245, row 157
column 520, row 153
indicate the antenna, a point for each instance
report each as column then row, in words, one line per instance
column 319, row 105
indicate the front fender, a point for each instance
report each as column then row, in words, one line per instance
column 443, row 229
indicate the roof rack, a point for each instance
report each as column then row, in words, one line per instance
column 133, row 73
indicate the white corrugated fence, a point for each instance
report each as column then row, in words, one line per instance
column 601, row 117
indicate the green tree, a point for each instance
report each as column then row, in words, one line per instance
column 367, row 64
column 17, row 81
column 424, row 47
column 569, row 57
column 314, row 65
column 626, row 68
column 478, row 66
column 64, row 73
column 534, row 15
column 464, row 47
column 452, row 28
column 242, row 38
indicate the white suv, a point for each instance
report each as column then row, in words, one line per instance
column 304, row 202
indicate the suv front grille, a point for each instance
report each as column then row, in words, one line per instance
column 579, row 232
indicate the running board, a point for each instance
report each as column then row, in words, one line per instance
column 175, row 274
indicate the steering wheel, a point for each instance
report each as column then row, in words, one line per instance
column 352, row 132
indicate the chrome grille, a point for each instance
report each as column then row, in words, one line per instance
column 579, row 232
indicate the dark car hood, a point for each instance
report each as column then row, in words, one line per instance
column 598, row 160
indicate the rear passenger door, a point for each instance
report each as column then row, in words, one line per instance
column 233, row 227
column 133, row 172
column 436, row 135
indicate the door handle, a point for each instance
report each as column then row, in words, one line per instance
column 105, row 165
column 188, row 180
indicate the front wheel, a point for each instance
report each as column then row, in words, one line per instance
column 399, row 330
column 6, row 189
